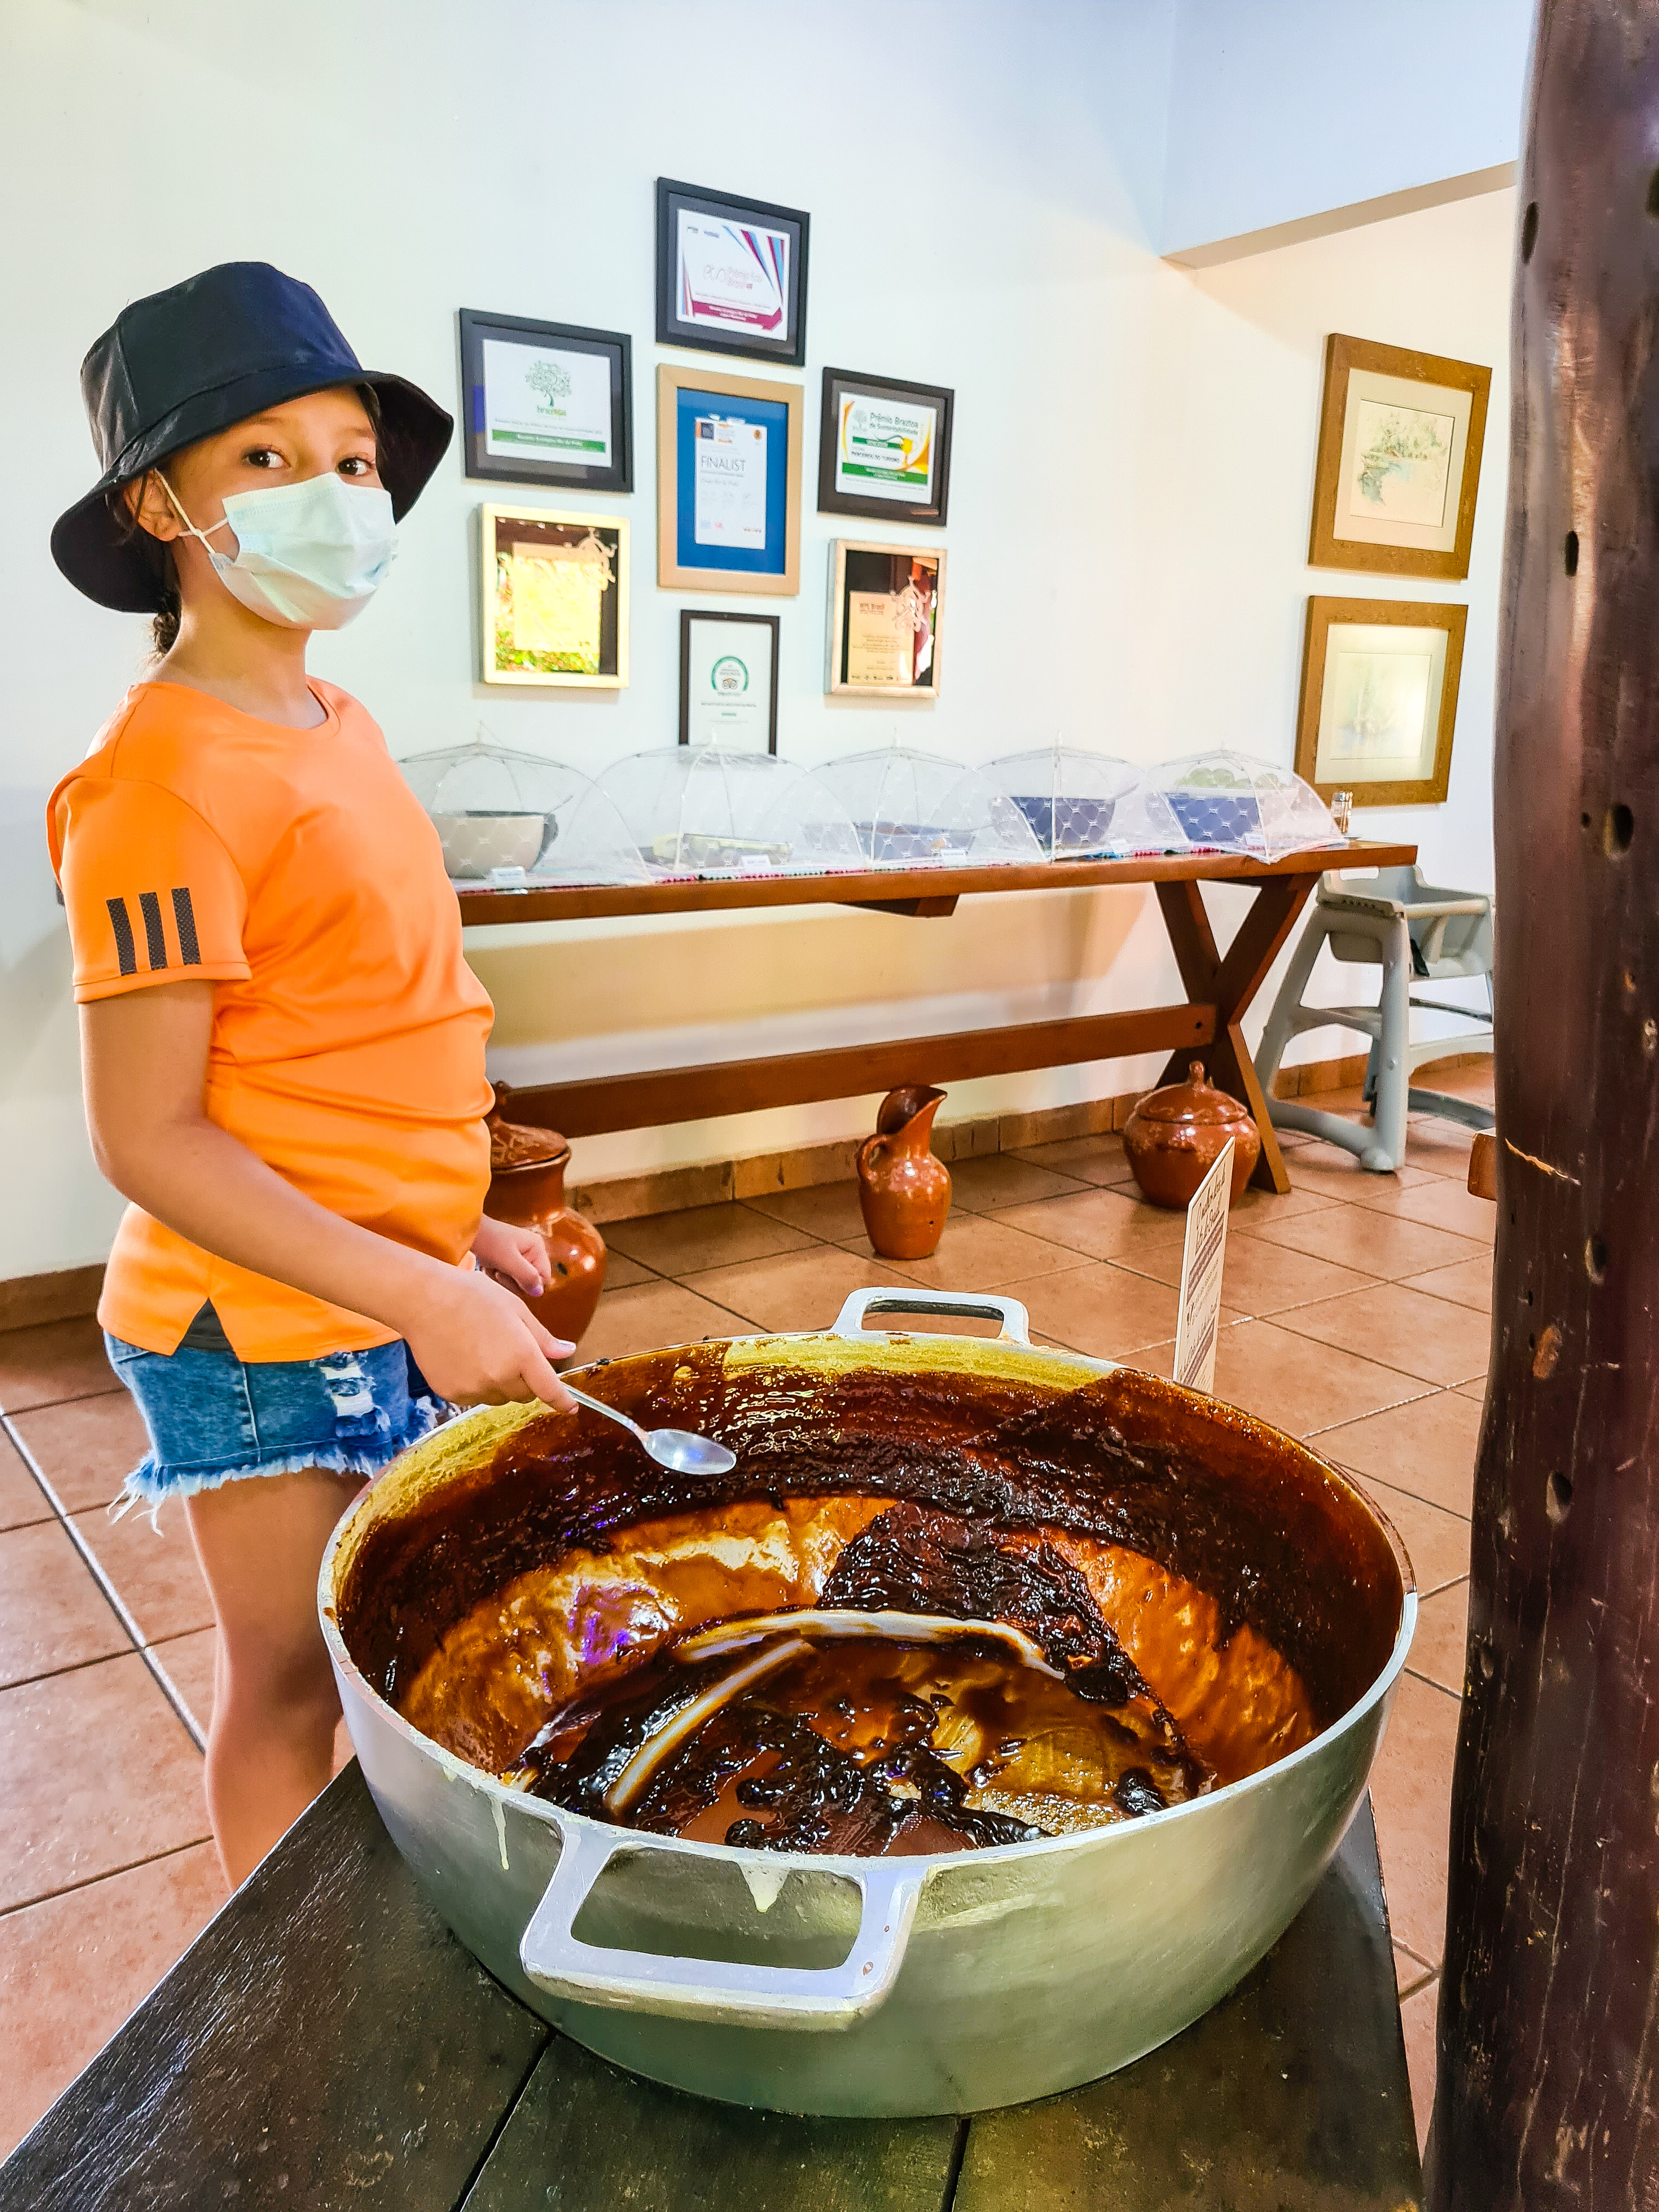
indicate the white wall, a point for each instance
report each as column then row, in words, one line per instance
column 1281, row 109
column 1128, row 511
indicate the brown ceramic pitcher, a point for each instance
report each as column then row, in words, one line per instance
column 904, row 1193
column 527, row 1187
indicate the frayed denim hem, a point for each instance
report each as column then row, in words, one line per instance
column 149, row 1485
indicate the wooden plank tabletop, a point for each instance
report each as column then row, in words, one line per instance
column 889, row 887
column 325, row 2042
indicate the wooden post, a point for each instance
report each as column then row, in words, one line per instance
column 1549, row 2006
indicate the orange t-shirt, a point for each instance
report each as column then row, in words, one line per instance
column 295, row 870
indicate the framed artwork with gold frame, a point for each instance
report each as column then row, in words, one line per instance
column 886, row 605
column 728, row 482
column 1399, row 441
column 1379, row 699
column 554, row 597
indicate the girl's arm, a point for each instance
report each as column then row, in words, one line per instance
column 144, row 1059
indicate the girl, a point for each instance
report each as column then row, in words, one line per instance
column 282, row 1048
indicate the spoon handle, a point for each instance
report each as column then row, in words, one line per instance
column 598, row 1406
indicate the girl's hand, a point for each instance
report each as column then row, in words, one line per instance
column 476, row 1344
column 517, row 1256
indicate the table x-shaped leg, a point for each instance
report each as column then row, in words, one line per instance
column 1230, row 984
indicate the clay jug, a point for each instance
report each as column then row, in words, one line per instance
column 1175, row 1136
column 527, row 1187
column 904, row 1193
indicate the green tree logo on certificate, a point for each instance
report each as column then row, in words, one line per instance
column 552, row 380
column 729, row 675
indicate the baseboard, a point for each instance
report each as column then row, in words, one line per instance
column 68, row 1294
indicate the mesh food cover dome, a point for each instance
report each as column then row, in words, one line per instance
column 1233, row 803
column 701, row 809
column 512, row 817
column 1071, row 798
column 911, row 809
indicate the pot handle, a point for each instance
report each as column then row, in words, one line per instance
column 715, row 1989
column 973, row 1305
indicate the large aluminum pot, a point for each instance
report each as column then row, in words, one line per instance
column 946, row 1984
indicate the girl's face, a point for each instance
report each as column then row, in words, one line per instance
column 301, row 437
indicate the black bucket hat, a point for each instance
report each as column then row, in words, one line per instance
column 192, row 361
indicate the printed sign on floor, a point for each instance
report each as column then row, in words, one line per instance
column 1200, row 1276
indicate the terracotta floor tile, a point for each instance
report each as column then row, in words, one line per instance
column 1427, row 1337
column 703, row 1236
column 829, row 1210
column 1443, row 1204
column 1439, row 1647
column 1006, row 1179
column 57, row 1360
column 1473, row 1080
column 188, row 1663
column 88, row 1447
column 1155, row 1359
column 620, row 1273
column 155, row 1570
column 1097, row 1160
column 1105, row 1225
column 1359, row 1236
column 651, row 1314
column 977, row 1253
column 1254, row 1204
column 1475, row 1389
column 796, row 1290
column 53, row 1613
column 1441, row 1147
column 21, row 1498
column 100, row 1774
column 1258, row 1278
column 1299, row 1385
column 1334, row 1173
column 1411, row 1793
column 1409, row 1974
column 1427, row 1449
column 1419, row 2018
column 1468, row 1283
column 73, row 1967
column 1101, row 1310
column 1437, row 1543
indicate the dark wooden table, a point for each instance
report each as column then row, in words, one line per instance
column 1219, row 988
column 326, row 2043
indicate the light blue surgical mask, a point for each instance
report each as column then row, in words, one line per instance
column 308, row 556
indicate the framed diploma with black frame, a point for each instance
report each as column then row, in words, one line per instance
column 555, row 598
column 728, row 483
column 547, row 403
column 886, row 603
column 729, row 680
column 885, row 448
column 731, row 274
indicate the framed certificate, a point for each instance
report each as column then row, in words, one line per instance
column 729, row 680
column 731, row 274
column 547, row 403
column 885, row 448
column 1379, row 699
column 1399, row 441
column 886, row 605
column 555, row 598
column 728, row 483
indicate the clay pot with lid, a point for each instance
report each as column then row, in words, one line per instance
column 1175, row 1136
column 527, row 1187
column 904, row 1193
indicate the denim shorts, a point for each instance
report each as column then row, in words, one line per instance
column 214, row 1418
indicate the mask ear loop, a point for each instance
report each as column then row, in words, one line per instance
column 191, row 530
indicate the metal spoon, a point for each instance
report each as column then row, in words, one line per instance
column 676, row 1447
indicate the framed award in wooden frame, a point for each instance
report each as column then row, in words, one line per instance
column 886, row 608
column 728, row 483
column 554, row 597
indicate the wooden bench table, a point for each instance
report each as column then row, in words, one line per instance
column 327, row 2044
column 1219, row 988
